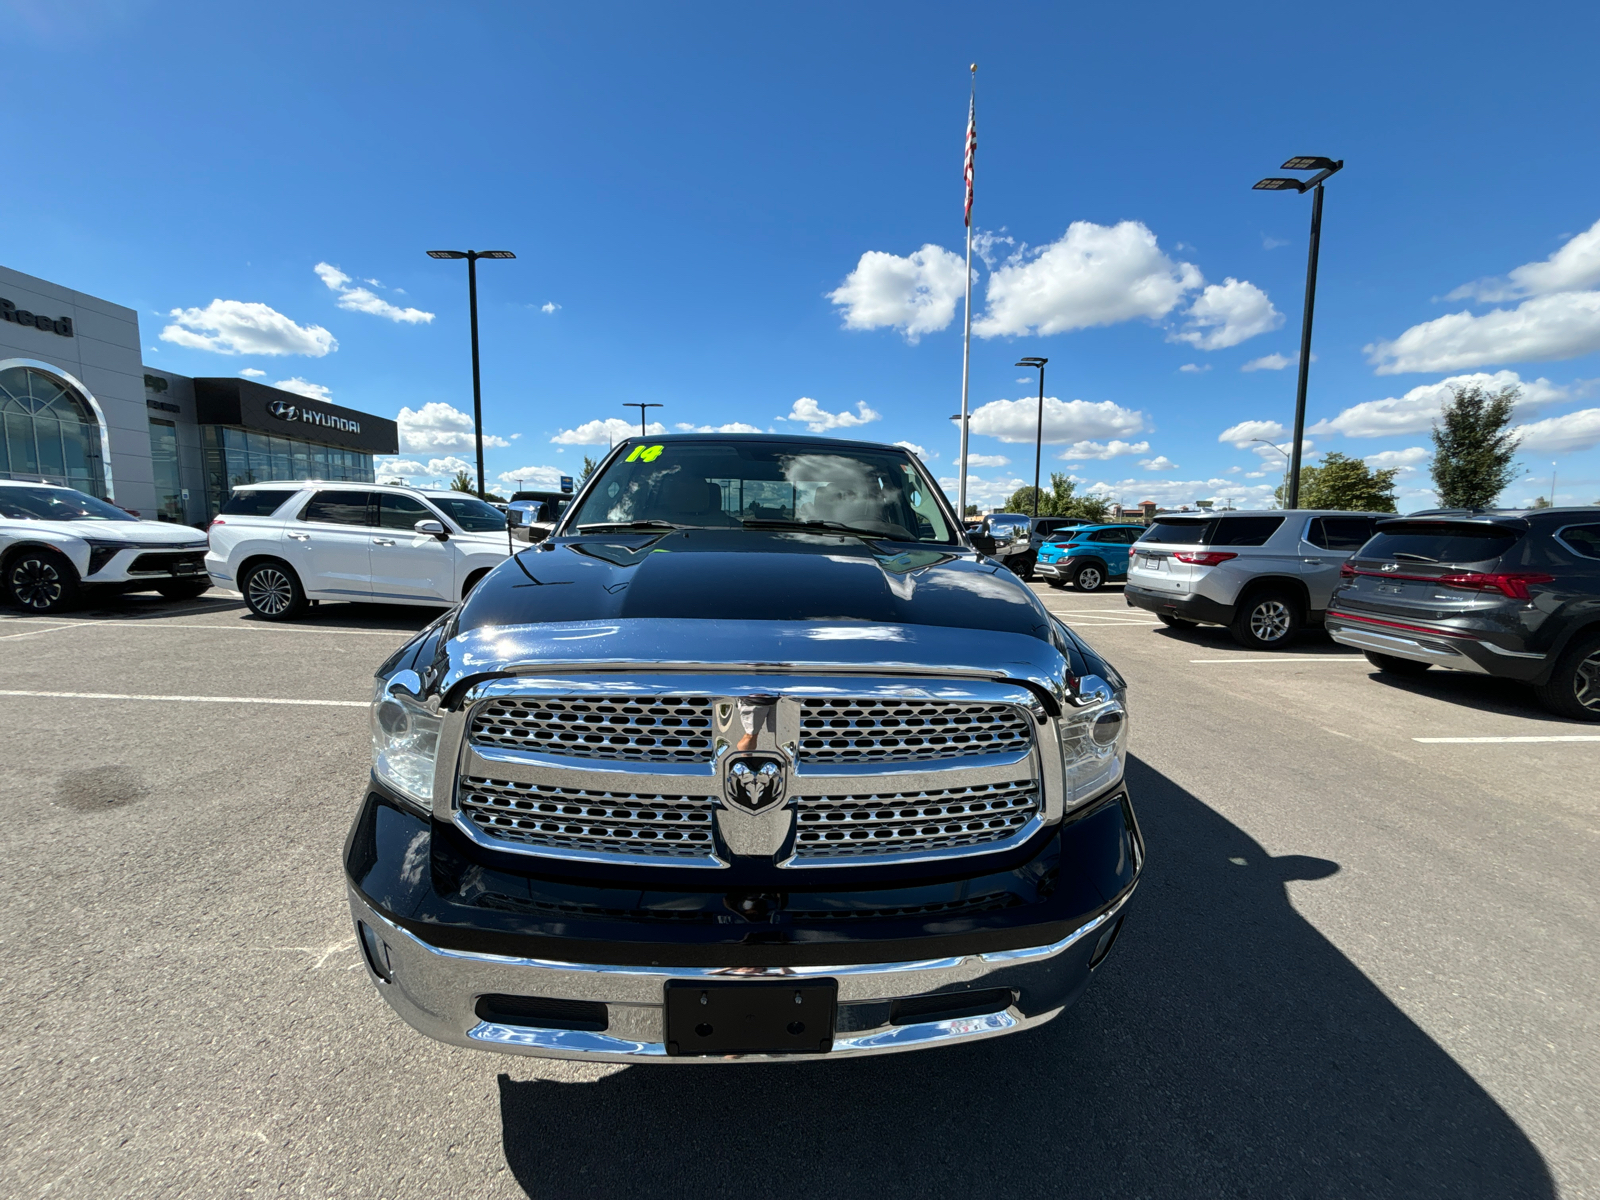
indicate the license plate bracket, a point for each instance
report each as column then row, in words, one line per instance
column 750, row 1016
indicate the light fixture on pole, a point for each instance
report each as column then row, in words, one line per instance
column 1323, row 167
column 1289, row 462
column 472, row 257
column 641, row 408
column 1038, row 440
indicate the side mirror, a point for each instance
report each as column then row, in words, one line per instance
column 523, row 517
column 431, row 528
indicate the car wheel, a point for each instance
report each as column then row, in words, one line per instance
column 1395, row 665
column 41, row 581
column 188, row 589
column 273, row 593
column 1266, row 621
column 1573, row 690
column 1172, row 622
column 1088, row 578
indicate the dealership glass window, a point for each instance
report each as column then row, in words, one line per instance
column 48, row 432
column 235, row 456
column 164, row 468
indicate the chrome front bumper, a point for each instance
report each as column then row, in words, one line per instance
column 436, row 990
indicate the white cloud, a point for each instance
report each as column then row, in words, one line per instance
column 450, row 465
column 915, row 294
column 1273, row 362
column 1572, row 268
column 549, row 306
column 361, row 300
column 1103, row 450
column 1554, row 326
column 1407, row 460
column 1226, row 314
column 302, row 387
column 985, row 493
column 533, row 479
column 384, row 468
column 983, row 461
column 1254, row 474
column 1194, row 368
column 1069, row 421
column 1245, row 432
column 1416, row 411
column 1272, row 243
column 438, row 428
column 245, row 327
column 251, row 373
column 604, row 433
column 1234, row 470
column 1169, row 493
column 914, row 448
column 817, row 420
column 730, row 427
column 1556, row 435
column 1277, row 451
column 1160, row 463
column 1095, row 275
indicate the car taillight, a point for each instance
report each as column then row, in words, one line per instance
column 1513, row 583
column 1346, row 571
column 1203, row 558
column 215, row 521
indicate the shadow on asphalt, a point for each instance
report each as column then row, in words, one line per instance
column 1226, row 1049
column 326, row 615
column 1486, row 693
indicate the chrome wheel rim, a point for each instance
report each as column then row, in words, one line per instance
column 1586, row 682
column 1088, row 579
column 36, row 583
column 270, row 591
column 1269, row 621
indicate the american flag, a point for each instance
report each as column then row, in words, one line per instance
column 972, row 152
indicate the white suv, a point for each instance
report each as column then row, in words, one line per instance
column 57, row 543
column 1265, row 575
column 283, row 545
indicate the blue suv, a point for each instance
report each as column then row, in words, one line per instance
column 1087, row 557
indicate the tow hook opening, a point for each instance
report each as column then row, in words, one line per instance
column 1103, row 946
column 376, row 951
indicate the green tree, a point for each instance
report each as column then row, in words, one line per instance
column 972, row 510
column 462, row 483
column 1541, row 502
column 1345, row 484
column 1472, row 448
column 1059, row 501
column 589, row 465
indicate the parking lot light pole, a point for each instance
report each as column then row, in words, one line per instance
column 1323, row 167
column 472, row 257
column 641, row 408
column 1038, row 439
column 1285, row 454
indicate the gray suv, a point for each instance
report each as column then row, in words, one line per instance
column 1265, row 575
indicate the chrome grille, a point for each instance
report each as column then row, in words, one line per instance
column 575, row 819
column 648, row 728
column 865, row 731
column 912, row 822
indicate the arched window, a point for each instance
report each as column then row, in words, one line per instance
column 49, row 431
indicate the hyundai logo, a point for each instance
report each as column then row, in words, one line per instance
column 283, row 410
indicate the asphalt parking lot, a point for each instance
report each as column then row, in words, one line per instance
column 1362, row 961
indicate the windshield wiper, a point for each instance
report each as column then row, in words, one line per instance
column 1414, row 557
column 629, row 527
column 821, row 526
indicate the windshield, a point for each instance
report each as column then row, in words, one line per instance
column 731, row 485
column 56, row 504
column 470, row 513
column 1438, row 542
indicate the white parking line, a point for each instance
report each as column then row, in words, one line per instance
column 262, row 628
column 52, row 629
column 1573, row 737
column 184, row 699
column 1283, row 658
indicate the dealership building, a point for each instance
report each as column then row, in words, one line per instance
column 79, row 407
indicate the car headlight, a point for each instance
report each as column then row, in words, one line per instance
column 405, row 737
column 1094, row 739
column 102, row 551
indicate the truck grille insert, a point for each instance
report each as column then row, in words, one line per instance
column 644, row 729
column 912, row 822
column 574, row 819
column 862, row 731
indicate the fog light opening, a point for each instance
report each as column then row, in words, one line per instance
column 1103, row 946
column 376, row 952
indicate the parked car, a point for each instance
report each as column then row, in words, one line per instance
column 1087, row 557
column 59, row 545
column 1014, row 539
column 1265, row 575
column 287, row 545
column 542, row 510
column 755, row 757
column 1502, row 592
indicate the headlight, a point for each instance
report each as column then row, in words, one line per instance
column 405, row 737
column 1094, row 739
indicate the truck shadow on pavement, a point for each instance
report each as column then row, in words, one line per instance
column 1225, row 1049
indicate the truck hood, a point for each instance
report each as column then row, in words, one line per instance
column 742, row 575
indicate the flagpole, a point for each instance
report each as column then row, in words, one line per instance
column 966, row 344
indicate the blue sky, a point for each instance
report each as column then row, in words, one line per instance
column 691, row 191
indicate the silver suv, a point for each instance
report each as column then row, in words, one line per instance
column 1265, row 575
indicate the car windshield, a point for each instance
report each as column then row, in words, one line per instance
column 470, row 513
column 745, row 484
column 1439, row 542
column 56, row 504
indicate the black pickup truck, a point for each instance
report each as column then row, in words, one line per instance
column 753, row 757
